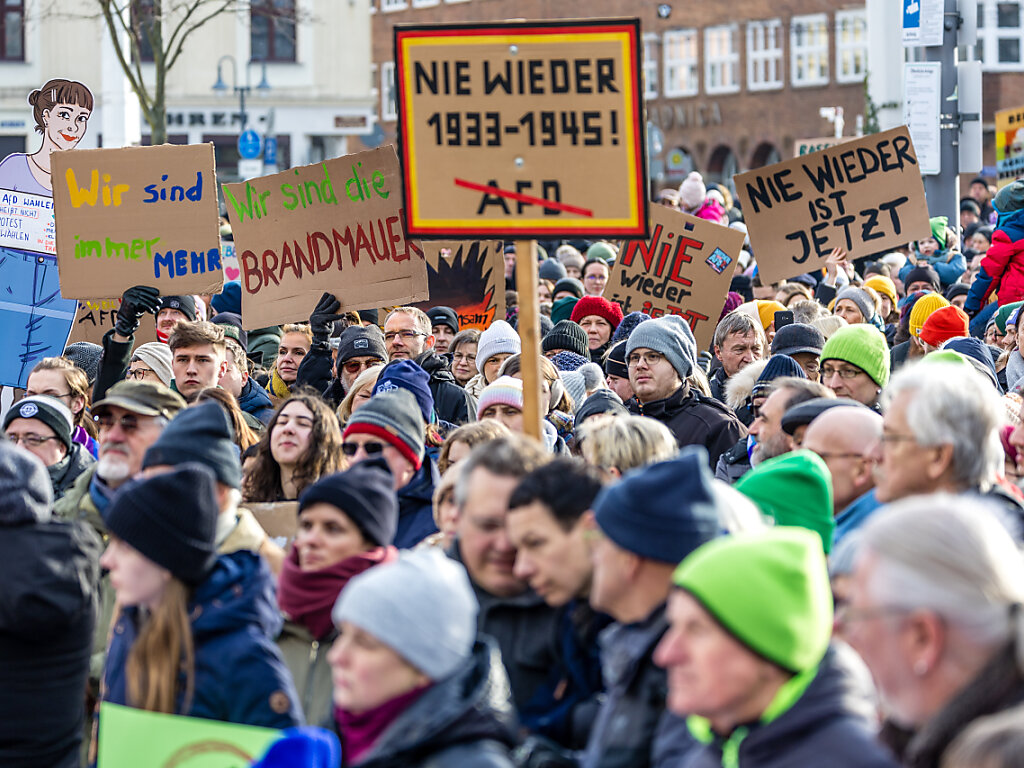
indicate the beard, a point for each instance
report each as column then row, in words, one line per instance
column 113, row 468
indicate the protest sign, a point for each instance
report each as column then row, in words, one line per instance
column 683, row 268
column 335, row 226
column 529, row 129
column 97, row 316
column 26, row 222
column 135, row 738
column 229, row 260
column 137, row 216
column 280, row 519
column 469, row 277
column 1009, row 146
column 864, row 196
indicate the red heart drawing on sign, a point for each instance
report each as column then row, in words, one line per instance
column 231, row 273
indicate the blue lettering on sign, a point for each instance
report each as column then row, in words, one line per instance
column 181, row 262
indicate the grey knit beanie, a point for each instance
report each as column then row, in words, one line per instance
column 861, row 298
column 85, row 355
column 158, row 357
column 393, row 416
column 671, row 336
column 421, row 606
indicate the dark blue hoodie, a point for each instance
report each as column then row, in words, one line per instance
column 256, row 402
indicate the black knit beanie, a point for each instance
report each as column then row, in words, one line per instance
column 361, row 341
column 566, row 335
column 171, row 519
column 184, row 304
column 615, row 362
column 365, row 494
column 200, row 433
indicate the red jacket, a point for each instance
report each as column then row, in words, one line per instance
column 1004, row 263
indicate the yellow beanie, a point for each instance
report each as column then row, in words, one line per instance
column 885, row 286
column 923, row 309
column 766, row 311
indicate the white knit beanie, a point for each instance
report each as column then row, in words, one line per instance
column 499, row 338
column 692, row 192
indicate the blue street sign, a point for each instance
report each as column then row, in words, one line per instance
column 270, row 150
column 249, row 144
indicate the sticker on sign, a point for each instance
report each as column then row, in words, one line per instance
column 522, row 128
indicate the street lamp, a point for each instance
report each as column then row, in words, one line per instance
column 220, row 86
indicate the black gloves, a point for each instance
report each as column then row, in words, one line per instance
column 136, row 302
column 321, row 322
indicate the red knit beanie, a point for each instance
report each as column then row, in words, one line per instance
column 600, row 306
column 944, row 324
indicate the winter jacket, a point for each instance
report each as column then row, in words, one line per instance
column 1002, row 267
column 255, row 402
column 854, row 516
column 463, row 721
column 734, row 463
column 49, row 573
column 451, row 402
column 739, row 390
column 525, row 629
column 64, row 473
column 695, row 419
column 239, row 674
column 718, row 380
column 999, row 686
column 416, row 506
column 78, row 504
column 306, row 659
column 633, row 728
column 949, row 271
column 476, row 385
column 114, row 363
column 829, row 724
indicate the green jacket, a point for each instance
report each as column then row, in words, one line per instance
column 306, row 659
column 77, row 504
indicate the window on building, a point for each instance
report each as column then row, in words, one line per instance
column 721, row 59
column 680, row 52
column 272, row 30
column 1000, row 35
column 651, row 66
column 12, row 30
column 764, row 55
column 388, row 94
column 424, row 3
column 808, row 49
column 393, row 5
column 851, row 46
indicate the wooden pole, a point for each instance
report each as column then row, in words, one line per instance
column 529, row 334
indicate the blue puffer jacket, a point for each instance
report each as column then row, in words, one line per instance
column 949, row 271
column 415, row 506
column 256, row 402
column 239, row 674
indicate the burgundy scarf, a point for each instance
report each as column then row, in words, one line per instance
column 307, row 597
column 360, row 732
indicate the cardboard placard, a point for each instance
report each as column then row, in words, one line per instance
column 137, row 216
column 684, row 268
column 280, row 519
column 1009, row 146
column 335, row 226
column 135, row 738
column 525, row 129
column 469, row 277
column 864, row 196
column 97, row 316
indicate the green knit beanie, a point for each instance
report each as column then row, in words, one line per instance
column 861, row 345
column 793, row 489
column 769, row 589
column 1002, row 314
column 562, row 309
column 939, row 225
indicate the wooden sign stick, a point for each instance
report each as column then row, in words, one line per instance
column 529, row 334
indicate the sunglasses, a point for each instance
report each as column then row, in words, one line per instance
column 355, row 366
column 129, row 422
column 371, row 449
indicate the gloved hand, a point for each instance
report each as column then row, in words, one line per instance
column 136, row 302
column 321, row 322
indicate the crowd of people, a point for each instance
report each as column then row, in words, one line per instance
column 798, row 546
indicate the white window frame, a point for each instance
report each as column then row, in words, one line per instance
column 691, row 63
column 390, row 6
column 817, row 49
column 989, row 36
column 652, row 68
column 763, row 60
column 388, row 89
column 852, row 39
column 726, row 62
column 424, row 3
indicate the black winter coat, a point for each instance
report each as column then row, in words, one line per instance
column 451, row 402
column 48, row 603
column 64, row 473
column 695, row 419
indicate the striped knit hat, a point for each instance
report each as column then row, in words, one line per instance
column 505, row 390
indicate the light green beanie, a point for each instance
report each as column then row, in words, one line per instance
column 769, row 589
column 861, row 345
column 793, row 489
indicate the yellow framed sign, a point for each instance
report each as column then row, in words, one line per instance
column 527, row 129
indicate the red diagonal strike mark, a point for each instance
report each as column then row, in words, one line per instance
column 521, row 198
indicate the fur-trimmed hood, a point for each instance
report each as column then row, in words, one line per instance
column 741, row 384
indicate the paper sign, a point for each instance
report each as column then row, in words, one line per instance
column 803, row 147
column 137, row 216
column 1009, row 146
column 280, row 519
column 922, row 84
column 469, row 277
column 684, row 268
column 135, row 738
column 229, row 261
column 335, row 226
column 522, row 128
column 922, row 22
column 865, row 196
column 97, row 316
column 26, row 222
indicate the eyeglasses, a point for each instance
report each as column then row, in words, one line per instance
column 827, row 456
column 139, row 374
column 648, row 358
column 129, row 422
column 459, row 357
column 896, row 437
column 30, row 393
column 827, row 372
column 32, row 441
column 406, row 335
column 355, row 366
column 370, row 449
column 845, row 615
column 596, row 278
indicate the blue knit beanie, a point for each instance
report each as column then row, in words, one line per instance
column 777, row 367
column 671, row 336
column 662, row 511
column 309, row 746
column 628, row 325
column 229, row 299
column 405, row 374
column 568, row 361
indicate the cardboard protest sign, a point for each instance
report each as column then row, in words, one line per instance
column 522, row 128
column 335, row 226
column 469, row 277
column 280, row 519
column 135, row 738
column 683, row 268
column 864, row 196
column 1009, row 145
column 97, row 316
column 137, row 216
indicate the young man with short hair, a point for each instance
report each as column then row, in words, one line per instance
column 199, row 357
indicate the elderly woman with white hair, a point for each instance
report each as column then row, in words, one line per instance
column 935, row 612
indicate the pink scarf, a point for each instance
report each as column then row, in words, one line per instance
column 360, row 732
